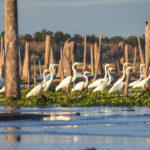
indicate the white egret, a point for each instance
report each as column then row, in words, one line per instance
column 49, row 77
column 141, row 76
column 37, row 89
column 142, row 83
column 102, row 86
column 124, row 74
column 101, row 80
column 119, row 85
column 81, row 85
column 68, row 80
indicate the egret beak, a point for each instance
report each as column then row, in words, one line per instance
column 80, row 63
column 56, row 64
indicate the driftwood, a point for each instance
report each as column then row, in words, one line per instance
column 147, row 49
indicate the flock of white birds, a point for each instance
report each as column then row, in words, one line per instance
column 97, row 85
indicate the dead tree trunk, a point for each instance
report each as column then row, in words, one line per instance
column 27, row 65
column 84, row 59
column 100, row 68
column 40, row 70
column 35, row 80
column 142, row 58
column 127, row 77
column 147, row 50
column 134, row 62
column 61, row 60
column 47, row 52
column 20, row 66
column 12, row 82
column 97, row 51
column 2, row 58
column 92, row 61
column 51, row 56
column 68, row 57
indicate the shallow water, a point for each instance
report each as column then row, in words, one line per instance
column 96, row 127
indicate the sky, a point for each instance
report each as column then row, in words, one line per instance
column 112, row 17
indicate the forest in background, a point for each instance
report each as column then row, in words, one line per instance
column 110, row 48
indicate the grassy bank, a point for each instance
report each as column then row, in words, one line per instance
column 52, row 98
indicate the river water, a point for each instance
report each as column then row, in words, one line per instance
column 100, row 128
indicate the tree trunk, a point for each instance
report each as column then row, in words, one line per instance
column 134, row 62
column 98, row 54
column 27, row 64
column 84, row 59
column 40, row 70
column 12, row 84
column 127, row 77
column 35, row 80
column 147, row 49
column 68, row 57
column 51, row 56
column 47, row 52
column 142, row 58
column 92, row 61
column 100, row 68
column 20, row 66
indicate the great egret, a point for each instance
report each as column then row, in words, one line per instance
column 119, row 85
column 141, row 76
column 49, row 77
column 102, row 86
column 124, row 74
column 81, row 85
column 37, row 89
column 101, row 80
column 142, row 83
column 68, row 80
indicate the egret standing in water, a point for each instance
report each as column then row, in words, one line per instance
column 81, row 85
column 102, row 86
column 101, row 80
column 37, row 89
column 68, row 80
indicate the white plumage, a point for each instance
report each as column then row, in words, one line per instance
column 37, row 89
column 99, row 81
column 81, row 85
column 102, row 86
column 68, row 80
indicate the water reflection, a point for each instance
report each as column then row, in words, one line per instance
column 11, row 136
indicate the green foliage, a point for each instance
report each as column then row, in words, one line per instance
column 26, row 37
column 92, row 38
column 117, row 39
column 84, row 98
column 132, row 40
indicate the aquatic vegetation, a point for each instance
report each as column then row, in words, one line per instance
column 83, row 98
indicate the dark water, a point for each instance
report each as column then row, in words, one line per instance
column 101, row 128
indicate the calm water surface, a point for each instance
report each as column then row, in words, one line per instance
column 102, row 128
